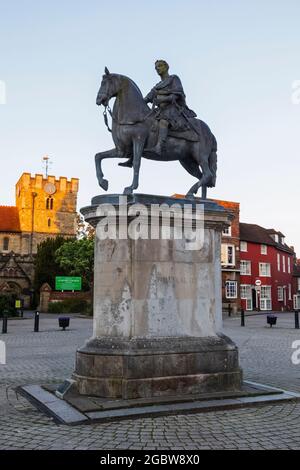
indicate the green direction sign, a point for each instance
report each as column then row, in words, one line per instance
column 67, row 283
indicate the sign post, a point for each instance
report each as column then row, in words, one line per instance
column 71, row 283
column 258, row 292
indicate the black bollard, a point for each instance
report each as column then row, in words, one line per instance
column 229, row 310
column 242, row 318
column 297, row 319
column 4, row 324
column 36, row 321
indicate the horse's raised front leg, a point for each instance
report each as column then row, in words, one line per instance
column 98, row 161
column 138, row 146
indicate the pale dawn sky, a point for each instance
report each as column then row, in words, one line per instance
column 238, row 62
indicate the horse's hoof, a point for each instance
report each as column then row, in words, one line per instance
column 104, row 184
column 127, row 191
column 190, row 196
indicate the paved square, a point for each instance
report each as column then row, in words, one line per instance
column 48, row 356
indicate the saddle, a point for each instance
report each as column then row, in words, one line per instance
column 189, row 134
column 186, row 135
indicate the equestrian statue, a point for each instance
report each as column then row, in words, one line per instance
column 166, row 132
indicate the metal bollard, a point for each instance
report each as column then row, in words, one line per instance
column 229, row 310
column 4, row 325
column 242, row 318
column 36, row 321
column 297, row 319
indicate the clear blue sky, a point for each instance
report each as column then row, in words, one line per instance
column 237, row 61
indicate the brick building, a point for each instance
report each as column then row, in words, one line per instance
column 230, row 258
column 45, row 207
column 266, row 262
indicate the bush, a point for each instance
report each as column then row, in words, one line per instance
column 69, row 306
column 7, row 302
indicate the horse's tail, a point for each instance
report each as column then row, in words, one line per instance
column 212, row 162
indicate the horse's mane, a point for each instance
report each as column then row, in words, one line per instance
column 118, row 75
column 133, row 108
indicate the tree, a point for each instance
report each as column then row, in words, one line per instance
column 83, row 229
column 76, row 258
column 46, row 266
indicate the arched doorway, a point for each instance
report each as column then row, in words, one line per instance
column 11, row 291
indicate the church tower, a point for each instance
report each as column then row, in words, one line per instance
column 46, row 206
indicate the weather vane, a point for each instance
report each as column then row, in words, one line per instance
column 47, row 163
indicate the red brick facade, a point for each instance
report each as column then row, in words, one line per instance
column 266, row 280
column 258, row 268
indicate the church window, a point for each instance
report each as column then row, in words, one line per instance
column 5, row 243
column 49, row 222
column 49, row 203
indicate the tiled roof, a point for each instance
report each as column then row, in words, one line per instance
column 271, row 231
column 9, row 219
column 257, row 234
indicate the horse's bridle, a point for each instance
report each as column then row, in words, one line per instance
column 107, row 108
column 105, row 116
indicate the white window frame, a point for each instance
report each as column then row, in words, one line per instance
column 244, row 247
column 266, row 298
column 278, row 262
column 225, row 251
column 246, row 264
column 296, row 302
column 298, row 283
column 244, row 294
column 227, row 231
column 283, row 263
column 280, row 294
column 289, row 265
column 290, row 291
column 263, row 249
column 247, row 296
column 228, row 293
column 263, row 271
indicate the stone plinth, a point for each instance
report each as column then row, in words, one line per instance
column 157, row 302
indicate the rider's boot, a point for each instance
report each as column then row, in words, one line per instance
column 161, row 142
column 128, row 163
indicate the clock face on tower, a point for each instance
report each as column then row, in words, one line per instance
column 50, row 188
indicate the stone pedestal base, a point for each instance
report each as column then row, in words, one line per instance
column 157, row 301
column 147, row 368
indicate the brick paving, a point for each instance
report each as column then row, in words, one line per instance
column 48, row 356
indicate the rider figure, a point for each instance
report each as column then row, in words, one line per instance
column 169, row 106
column 169, row 98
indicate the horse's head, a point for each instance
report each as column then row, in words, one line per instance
column 109, row 88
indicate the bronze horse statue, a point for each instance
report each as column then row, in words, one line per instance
column 134, row 130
